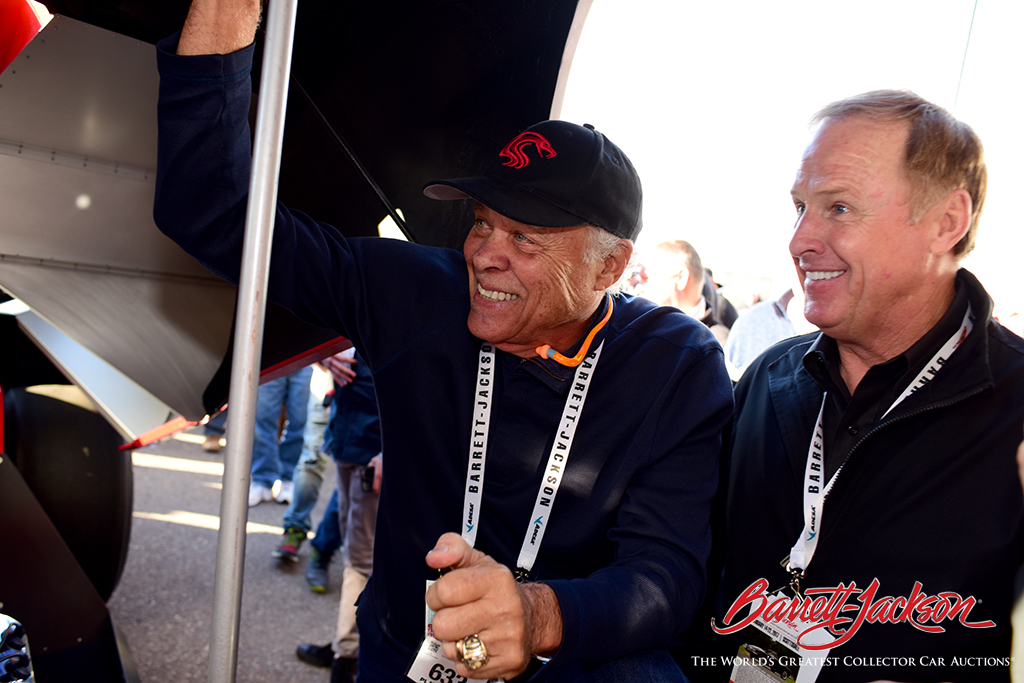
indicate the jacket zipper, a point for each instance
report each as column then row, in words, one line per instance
column 800, row 578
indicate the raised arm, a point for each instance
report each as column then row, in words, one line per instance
column 219, row 27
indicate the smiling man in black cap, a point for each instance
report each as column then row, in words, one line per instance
column 550, row 445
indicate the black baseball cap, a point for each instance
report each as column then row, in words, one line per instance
column 556, row 174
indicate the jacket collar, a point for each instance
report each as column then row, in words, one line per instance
column 796, row 396
column 556, row 376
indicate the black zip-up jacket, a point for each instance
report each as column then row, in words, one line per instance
column 929, row 495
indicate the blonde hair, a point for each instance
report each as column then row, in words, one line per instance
column 942, row 153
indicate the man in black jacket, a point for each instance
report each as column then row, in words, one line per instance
column 873, row 513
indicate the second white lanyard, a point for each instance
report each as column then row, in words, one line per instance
column 814, row 493
column 557, row 459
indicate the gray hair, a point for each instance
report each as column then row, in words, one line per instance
column 602, row 244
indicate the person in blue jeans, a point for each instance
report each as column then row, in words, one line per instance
column 325, row 543
column 307, row 479
column 308, row 475
column 273, row 458
column 309, row 472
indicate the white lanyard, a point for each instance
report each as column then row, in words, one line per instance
column 556, row 460
column 814, row 493
column 478, row 443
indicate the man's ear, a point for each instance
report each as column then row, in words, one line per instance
column 682, row 279
column 614, row 265
column 953, row 219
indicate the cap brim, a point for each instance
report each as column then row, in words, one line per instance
column 511, row 201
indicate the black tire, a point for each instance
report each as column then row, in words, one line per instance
column 69, row 456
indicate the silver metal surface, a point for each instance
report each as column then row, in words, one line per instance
column 83, row 91
column 128, row 407
column 16, row 649
column 168, row 335
column 70, row 208
column 77, row 238
column 270, row 115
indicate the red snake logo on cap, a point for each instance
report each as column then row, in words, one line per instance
column 515, row 150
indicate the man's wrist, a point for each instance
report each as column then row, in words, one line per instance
column 219, row 26
column 544, row 618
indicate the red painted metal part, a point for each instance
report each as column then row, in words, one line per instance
column 157, row 433
column 289, row 366
column 18, row 26
column 336, row 345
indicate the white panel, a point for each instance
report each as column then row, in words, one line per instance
column 130, row 408
column 167, row 334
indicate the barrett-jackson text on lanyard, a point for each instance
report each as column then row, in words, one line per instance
column 557, row 459
column 814, row 493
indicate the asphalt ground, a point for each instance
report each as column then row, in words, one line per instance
column 164, row 602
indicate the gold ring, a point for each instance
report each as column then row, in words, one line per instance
column 472, row 652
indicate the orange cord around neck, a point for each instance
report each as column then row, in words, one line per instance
column 546, row 351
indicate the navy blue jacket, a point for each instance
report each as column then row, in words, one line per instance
column 629, row 531
column 353, row 432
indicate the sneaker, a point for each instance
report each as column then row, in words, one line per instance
column 316, row 571
column 284, row 492
column 259, row 494
column 289, row 548
column 317, row 655
column 212, row 444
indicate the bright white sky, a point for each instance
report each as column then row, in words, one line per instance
column 711, row 101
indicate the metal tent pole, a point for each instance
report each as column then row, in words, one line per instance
column 248, row 342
